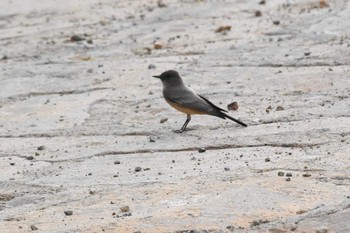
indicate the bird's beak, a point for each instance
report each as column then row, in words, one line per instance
column 156, row 76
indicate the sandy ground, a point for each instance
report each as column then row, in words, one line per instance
column 87, row 141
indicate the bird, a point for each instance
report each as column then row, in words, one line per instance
column 185, row 100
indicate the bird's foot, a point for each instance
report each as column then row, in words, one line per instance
column 178, row 131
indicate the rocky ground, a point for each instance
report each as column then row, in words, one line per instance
column 87, row 141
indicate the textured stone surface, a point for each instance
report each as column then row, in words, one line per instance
column 93, row 102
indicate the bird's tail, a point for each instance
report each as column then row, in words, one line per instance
column 233, row 119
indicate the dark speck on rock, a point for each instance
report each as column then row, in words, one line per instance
column 33, row 227
column 289, row 174
column 258, row 14
column 279, row 108
column 280, row 173
column 12, row 163
column 41, row 148
column 116, row 162
column 163, row 120
column 307, row 53
column 276, row 22
column 267, row 159
column 30, row 157
column 288, row 179
column 138, row 169
column 227, row 169
column 76, row 38
column 201, row 150
column 68, row 212
column 151, row 67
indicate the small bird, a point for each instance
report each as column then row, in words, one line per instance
column 187, row 101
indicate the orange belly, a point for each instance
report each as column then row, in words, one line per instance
column 185, row 110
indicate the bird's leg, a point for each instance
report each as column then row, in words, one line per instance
column 185, row 125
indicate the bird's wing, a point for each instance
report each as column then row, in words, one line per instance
column 213, row 105
column 189, row 99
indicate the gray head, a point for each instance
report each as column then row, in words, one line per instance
column 170, row 78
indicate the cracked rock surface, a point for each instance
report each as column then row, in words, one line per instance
column 87, row 141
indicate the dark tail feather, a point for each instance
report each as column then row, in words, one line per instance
column 233, row 119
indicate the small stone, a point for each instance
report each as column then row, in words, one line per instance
column 138, row 169
column 151, row 67
column 262, row 2
column 12, row 163
column 227, row 169
column 267, row 159
column 288, row 179
column 322, row 230
column 160, row 4
column 233, row 106
column 306, row 175
column 37, row 154
column 125, row 209
column 258, row 14
column 151, row 139
column 279, row 108
column 276, row 22
column 163, row 120
column 89, row 41
column 41, row 148
column 280, row 173
column 201, row 150
column 289, row 174
column 117, row 162
column 30, row 157
column 68, row 212
column 307, row 53
column 33, row 227
column 76, row 38
column 223, row 29
column 157, row 45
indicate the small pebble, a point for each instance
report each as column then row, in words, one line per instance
column 76, row 38
column 267, row 159
column 33, row 227
column 68, row 212
column 288, row 179
column 227, row 169
column 258, row 14
column 116, row 162
column 201, row 150
column 276, row 22
column 307, row 53
column 151, row 67
column 233, row 106
column 30, row 157
column 41, row 148
column 306, row 175
column 163, row 120
column 138, row 169
column 12, row 163
column 125, row 209
column 322, row 230
column 280, row 173
column 279, row 108
column 151, row 139
column 289, row 174
column 157, row 45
